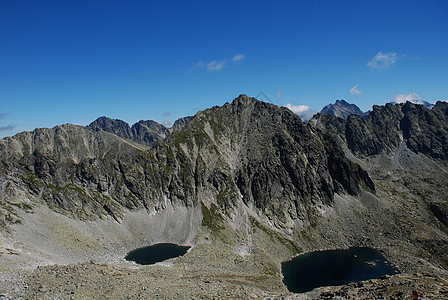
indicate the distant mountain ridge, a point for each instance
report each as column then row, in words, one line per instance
column 343, row 109
column 145, row 132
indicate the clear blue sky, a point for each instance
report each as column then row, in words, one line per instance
column 73, row 61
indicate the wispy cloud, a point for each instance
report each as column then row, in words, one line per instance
column 217, row 65
column 166, row 114
column 412, row 97
column 166, row 123
column 7, row 127
column 354, row 90
column 382, row 61
column 238, row 57
column 279, row 92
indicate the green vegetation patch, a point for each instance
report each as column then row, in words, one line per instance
column 211, row 218
column 25, row 206
column 70, row 187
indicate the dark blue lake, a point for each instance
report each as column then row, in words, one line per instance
column 156, row 253
column 334, row 267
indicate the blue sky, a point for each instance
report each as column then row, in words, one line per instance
column 74, row 61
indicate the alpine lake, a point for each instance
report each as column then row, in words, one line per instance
column 334, row 267
column 156, row 253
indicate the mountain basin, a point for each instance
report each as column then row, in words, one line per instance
column 334, row 267
column 156, row 253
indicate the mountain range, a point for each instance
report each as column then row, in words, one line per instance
column 247, row 184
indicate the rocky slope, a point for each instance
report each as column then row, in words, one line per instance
column 247, row 184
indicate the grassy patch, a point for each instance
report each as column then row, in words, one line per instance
column 32, row 178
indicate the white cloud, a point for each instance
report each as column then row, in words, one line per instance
column 412, row 97
column 298, row 109
column 166, row 123
column 354, row 90
column 303, row 111
column 217, row 65
column 382, row 61
column 238, row 57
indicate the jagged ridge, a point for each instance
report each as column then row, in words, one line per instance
column 423, row 130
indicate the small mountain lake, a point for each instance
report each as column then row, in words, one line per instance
column 334, row 267
column 156, row 253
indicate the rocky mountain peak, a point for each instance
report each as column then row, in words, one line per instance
column 342, row 109
column 115, row 126
column 148, row 132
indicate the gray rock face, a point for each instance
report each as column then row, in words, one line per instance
column 343, row 109
column 425, row 130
